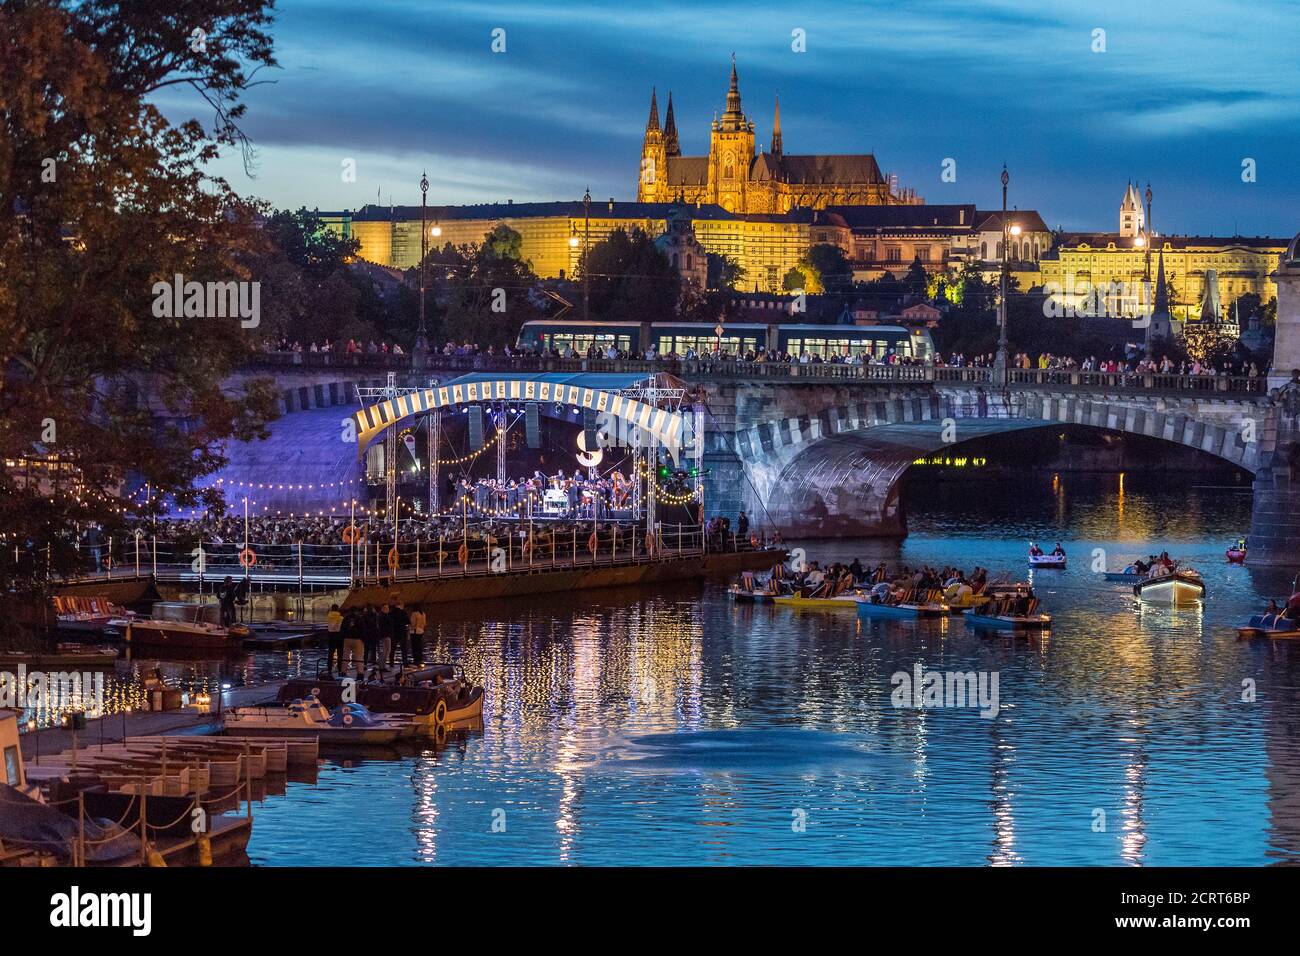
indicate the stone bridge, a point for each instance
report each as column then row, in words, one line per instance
column 825, row 460
column 819, row 449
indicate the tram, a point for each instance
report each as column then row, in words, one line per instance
column 680, row 338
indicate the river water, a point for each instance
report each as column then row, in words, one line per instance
column 674, row 727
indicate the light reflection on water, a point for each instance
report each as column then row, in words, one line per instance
column 677, row 728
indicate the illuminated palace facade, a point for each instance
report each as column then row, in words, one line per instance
column 1200, row 269
column 742, row 180
column 766, row 246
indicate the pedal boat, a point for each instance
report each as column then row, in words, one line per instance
column 349, row 725
column 996, row 614
column 1128, row 575
column 1269, row 625
column 838, row 602
column 869, row 608
column 1047, row 561
column 1176, row 587
column 742, row 596
column 1235, row 555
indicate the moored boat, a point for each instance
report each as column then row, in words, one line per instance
column 184, row 627
column 350, row 724
column 432, row 696
column 1180, row 586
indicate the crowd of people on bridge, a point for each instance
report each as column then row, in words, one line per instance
column 1047, row 361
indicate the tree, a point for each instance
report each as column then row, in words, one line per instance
column 802, row 277
column 487, row 289
column 105, row 202
column 724, row 271
column 831, row 265
column 631, row 280
column 917, row 281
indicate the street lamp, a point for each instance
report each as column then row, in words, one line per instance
column 1144, row 241
column 586, row 248
column 421, row 340
column 1000, row 360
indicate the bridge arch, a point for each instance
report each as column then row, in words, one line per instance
column 836, row 472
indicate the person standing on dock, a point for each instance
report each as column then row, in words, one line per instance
column 399, row 623
column 370, row 634
column 226, row 597
column 334, row 645
column 354, row 649
column 418, row 623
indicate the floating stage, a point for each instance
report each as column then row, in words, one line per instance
column 480, row 585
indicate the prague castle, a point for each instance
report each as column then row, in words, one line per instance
column 736, row 178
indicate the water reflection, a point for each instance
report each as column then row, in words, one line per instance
column 675, row 727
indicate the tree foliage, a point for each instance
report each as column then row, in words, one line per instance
column 101, row 197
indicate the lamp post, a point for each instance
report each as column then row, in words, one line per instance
column 1000, row 360
column 421, row 340
column 586, row 246
column 1148, row 339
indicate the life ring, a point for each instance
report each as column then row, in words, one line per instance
column 592, row 543
column 462, row 554
column 247, row 558
column 394, row 559
column 650, row 542
column 440, row 713
column 352, row 534
column 753, row 541
column 108, row 563
column 347, row 720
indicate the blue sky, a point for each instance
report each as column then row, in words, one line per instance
column 1183, row 93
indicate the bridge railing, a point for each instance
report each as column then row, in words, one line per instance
column 448, row 552
column 1143, row 381
column 713, row 369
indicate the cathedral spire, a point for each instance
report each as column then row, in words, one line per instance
column 776, row 128
column 733, row 116
column 653, row 122
column 671, row 145
column 1162, row 294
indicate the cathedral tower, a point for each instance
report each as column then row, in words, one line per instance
column 1131, row 218
column 731, row 151
column 671, row 145
column 652, row 186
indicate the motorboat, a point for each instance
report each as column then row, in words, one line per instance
column 174, row 624
column 1179, row 586
column 349, row 724
column 1272, row 624
column 1009, row 608
column 1237, row 553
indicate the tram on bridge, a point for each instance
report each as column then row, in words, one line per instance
column 680, row 338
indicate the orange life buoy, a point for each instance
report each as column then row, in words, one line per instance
column 393, row 558
column 753, row 541
column 463, row 554
column 351, row 534
column 592, row 543
column 247, row 558
column 650, row 542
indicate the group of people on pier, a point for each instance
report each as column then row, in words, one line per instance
column 374, row 636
